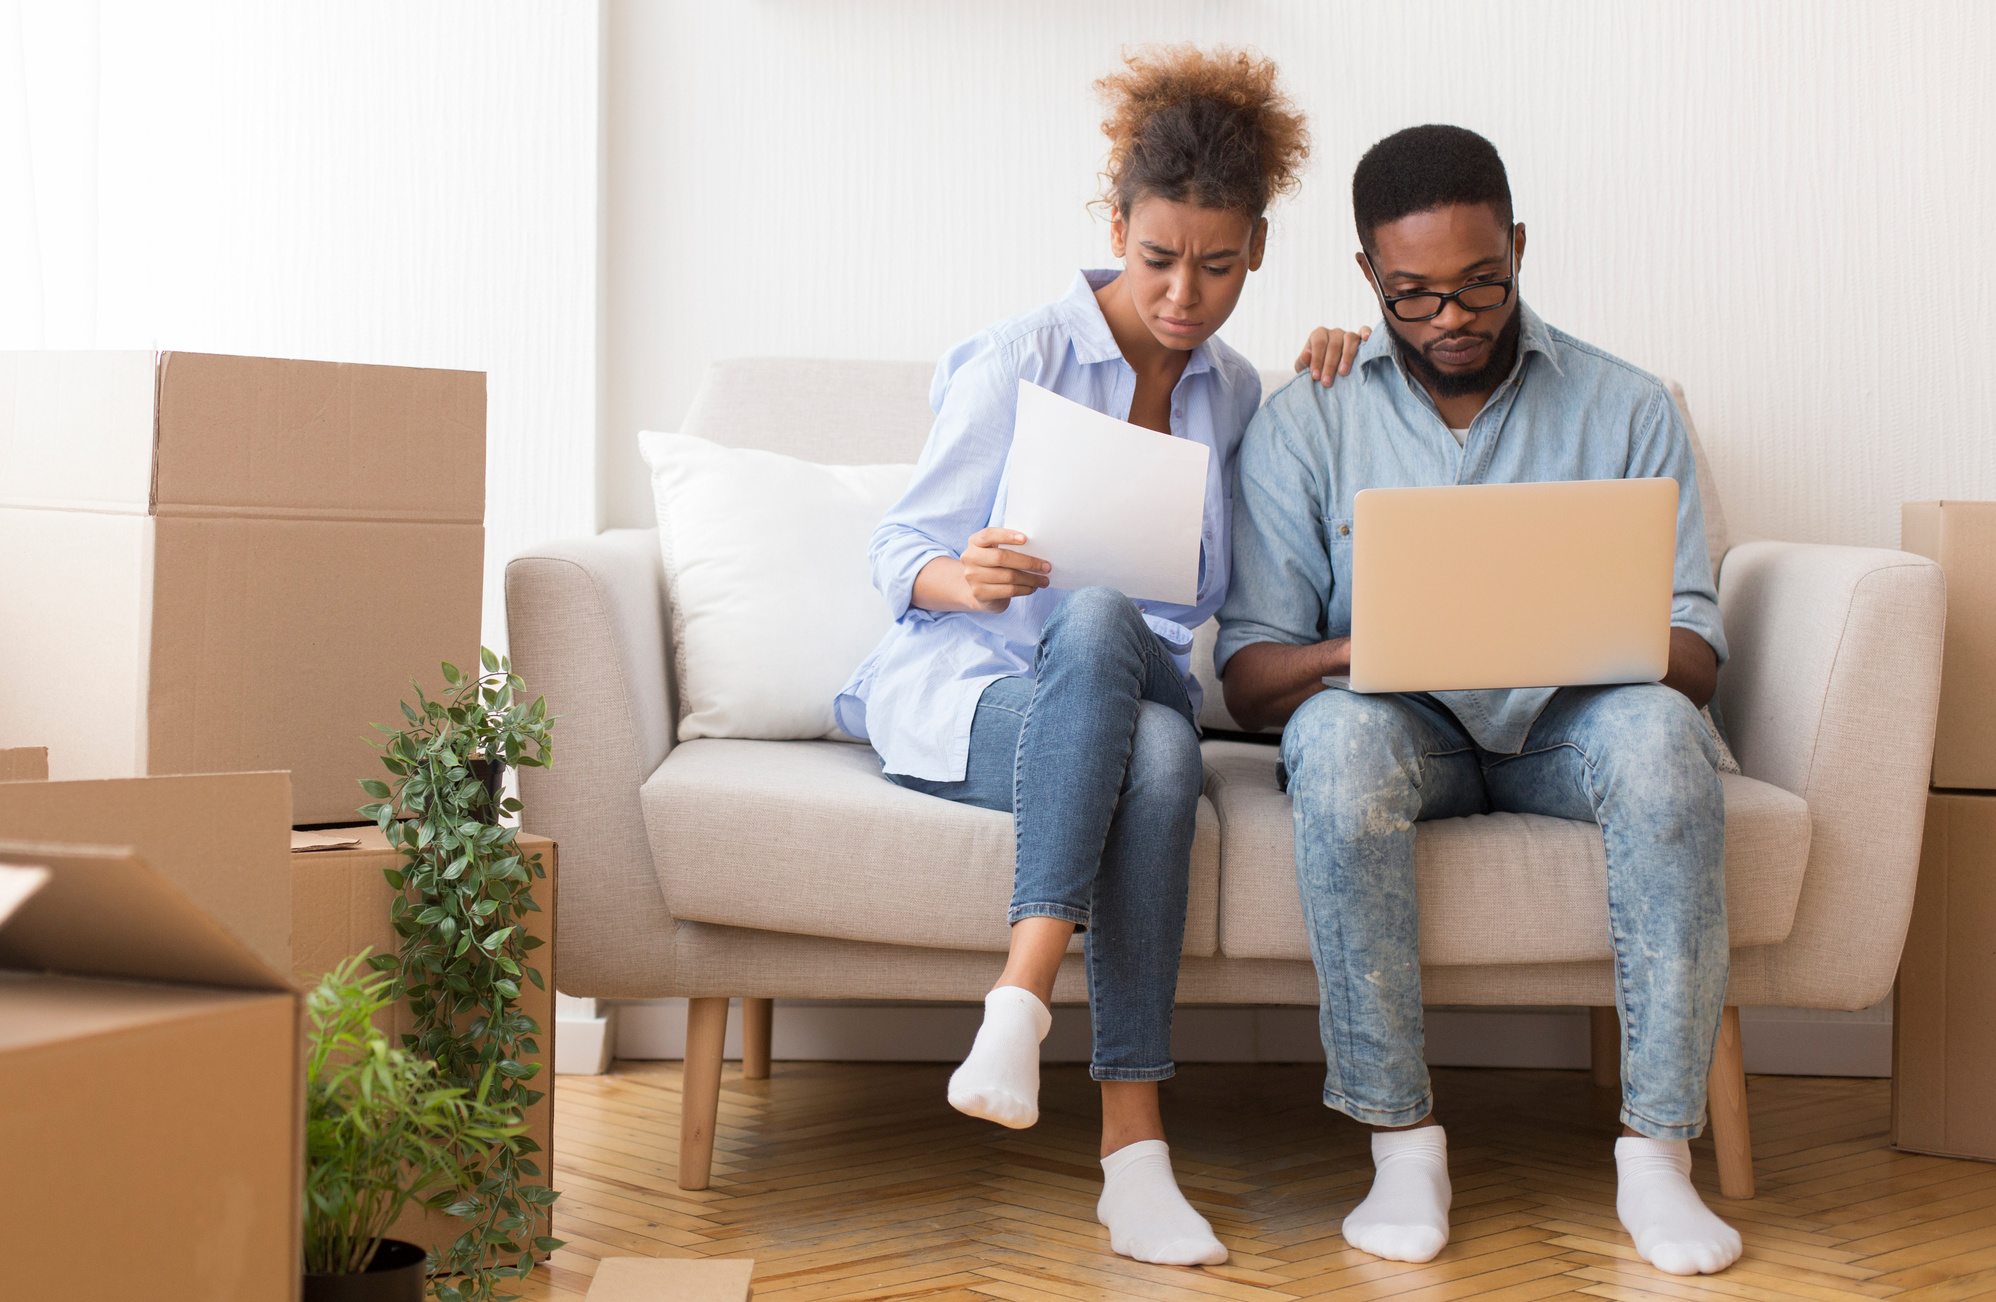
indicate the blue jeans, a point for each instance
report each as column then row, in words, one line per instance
column 1636, row 760
column 1097, row 759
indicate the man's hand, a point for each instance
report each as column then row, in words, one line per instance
column 1327, row 354
column 1694, row 667
column 1266, row 681
column 985, row 578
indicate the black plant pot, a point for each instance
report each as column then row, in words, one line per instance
column 395, row 1275
column 493, row 774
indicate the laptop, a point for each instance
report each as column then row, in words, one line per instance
column 1512, row 585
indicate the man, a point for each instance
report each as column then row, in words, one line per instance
column 1466, row 385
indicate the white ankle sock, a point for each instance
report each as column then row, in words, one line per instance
column 1405, row 1217
column 1673, row 1229
column 1148, row 1218
column 1000, row 1080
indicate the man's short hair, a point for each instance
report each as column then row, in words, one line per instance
column 1423, row 168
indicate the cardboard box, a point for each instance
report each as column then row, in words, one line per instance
column 220, row 838
column 1944, row 1007
column 24, row 764
column 339, row 906
column 151, row 1089
column 219, row 564
column 1961, row 536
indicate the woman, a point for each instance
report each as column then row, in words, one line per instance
column 1074, row 711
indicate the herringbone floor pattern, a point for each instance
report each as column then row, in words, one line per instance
column 857, row 1181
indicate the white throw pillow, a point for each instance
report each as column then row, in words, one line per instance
column 772, row 599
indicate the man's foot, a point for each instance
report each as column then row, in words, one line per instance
column 1000, row 1080
column 1673, row 1229
column 1405, row 1217
column 1148, row 1218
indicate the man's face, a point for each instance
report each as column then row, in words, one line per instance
column 1444, row 249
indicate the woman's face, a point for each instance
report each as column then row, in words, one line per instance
column 1185, row 265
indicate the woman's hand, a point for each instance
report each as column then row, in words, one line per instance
column 1328, row 353
column 985, row 578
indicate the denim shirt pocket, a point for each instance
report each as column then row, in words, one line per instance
column 1338, row 535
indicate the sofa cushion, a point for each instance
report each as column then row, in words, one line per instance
column 762, row 638
column 1494, row 888
column 807, row 837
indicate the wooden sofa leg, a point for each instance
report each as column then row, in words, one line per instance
column 700, row 1089
column 1728, row 1103
column 758, row 1016
column 1604, row 1042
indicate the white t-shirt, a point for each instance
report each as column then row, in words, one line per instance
column 1461, row 437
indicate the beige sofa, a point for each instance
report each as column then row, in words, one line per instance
column 765, row 870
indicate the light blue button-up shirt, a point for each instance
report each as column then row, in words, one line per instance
column 1567, row 411
column 916, row 696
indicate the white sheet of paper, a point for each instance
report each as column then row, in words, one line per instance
column 1105, row 502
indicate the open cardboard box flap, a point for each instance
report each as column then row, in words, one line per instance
column 222, row 840
column 150, row 1040
column 100, row 911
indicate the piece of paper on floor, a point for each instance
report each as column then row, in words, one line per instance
column 304, row 842
column 660, row 1279
column 1105, row 502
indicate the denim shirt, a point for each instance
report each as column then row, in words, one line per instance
column 1567, row 411
column 916, row 696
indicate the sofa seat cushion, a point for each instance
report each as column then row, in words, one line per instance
column 807, row 837
column 1494, row 888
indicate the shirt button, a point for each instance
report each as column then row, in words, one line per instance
column 1344, row 530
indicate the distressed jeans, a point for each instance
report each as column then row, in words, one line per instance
column 1637, row 760
column 1097, row 759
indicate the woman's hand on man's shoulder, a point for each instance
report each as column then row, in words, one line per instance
column 1328, row 353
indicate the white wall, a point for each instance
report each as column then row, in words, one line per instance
column 373, row 181
column 1747, row 197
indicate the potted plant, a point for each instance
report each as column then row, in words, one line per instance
column 382, row 1131
column 463, row 956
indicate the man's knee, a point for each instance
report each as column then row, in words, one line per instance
column 1164, row 755
column 1653, row 721
column 1343, row 749
column 1651, row 747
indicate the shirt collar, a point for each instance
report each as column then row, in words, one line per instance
column 1092, row 340
column 1534, row 336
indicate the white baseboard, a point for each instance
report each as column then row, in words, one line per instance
column 585, row 1035
column 1778, row 1041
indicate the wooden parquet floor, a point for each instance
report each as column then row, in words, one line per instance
column 858, row 1181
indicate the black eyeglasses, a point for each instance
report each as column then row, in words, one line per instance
column 1426, row 305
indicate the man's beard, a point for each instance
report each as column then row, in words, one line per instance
column 1483, row 379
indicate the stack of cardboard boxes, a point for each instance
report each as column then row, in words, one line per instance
column 1944, row 1009
column 208, row 565
column 232, row 564
column 151, row 1074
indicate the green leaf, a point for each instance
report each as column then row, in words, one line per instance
column 488, row 659
column 451, row 674
column 375, row 787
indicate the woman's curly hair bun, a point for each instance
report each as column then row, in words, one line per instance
column 1209, row 127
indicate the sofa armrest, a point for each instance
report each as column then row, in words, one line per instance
column 589, row 631
column 1831, row 693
